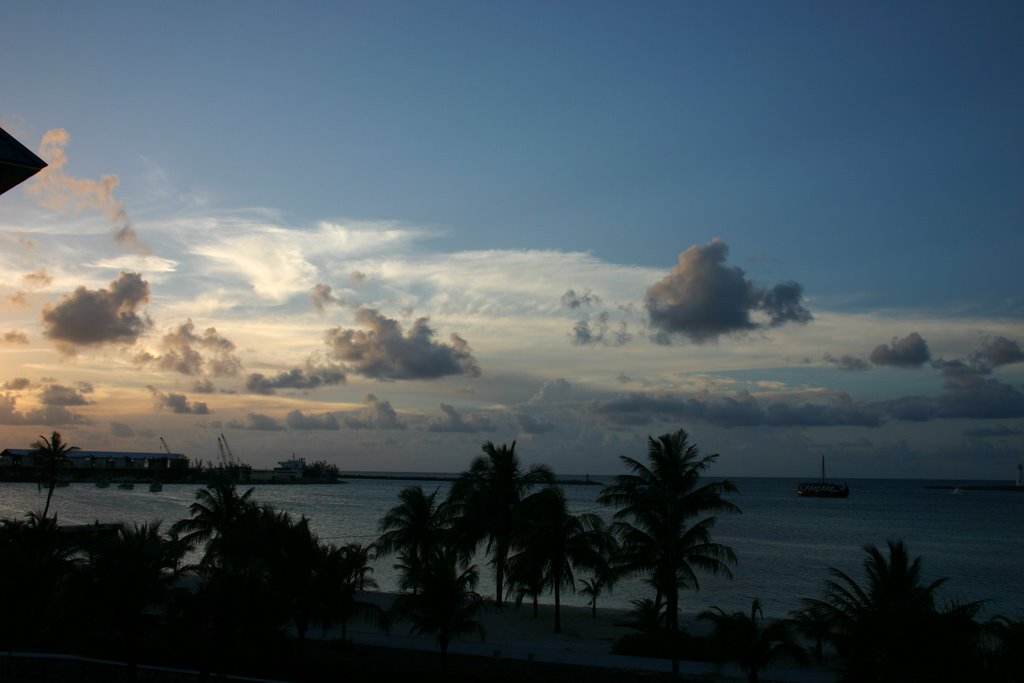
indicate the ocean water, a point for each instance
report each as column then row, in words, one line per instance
column 785, row 544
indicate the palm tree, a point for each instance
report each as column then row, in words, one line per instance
column 447, row 604
column 554, row 542
column 665, row 518
column 1006, row 656
column 889, row 628
column 812, row 622
column 487, row 495
column 414, row 529
column 52, row 454
column 128, row 573
column 341, row 574
column 216, row 509
column 744, row 639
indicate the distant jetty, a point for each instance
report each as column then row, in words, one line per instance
column 977, row 487
column 398, row 476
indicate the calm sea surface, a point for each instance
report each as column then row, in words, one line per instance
column 785, row 544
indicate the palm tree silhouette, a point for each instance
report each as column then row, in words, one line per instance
column 552, row 541
column 487, row 495
column 52, row 453
column 341, row 575
column 413, row 529
column 665, row 518
column 447, row 604
column 889, row 628
column 216, row 509
column 746, row 640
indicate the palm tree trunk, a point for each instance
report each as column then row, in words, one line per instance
column 558, row 604
column 49, row 495
column 499, row 577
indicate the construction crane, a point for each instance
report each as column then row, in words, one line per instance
column 164, row 444
column 226, row 454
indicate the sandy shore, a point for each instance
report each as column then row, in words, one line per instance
column 514, row 633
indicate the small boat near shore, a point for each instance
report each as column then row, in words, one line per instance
column 823, row 488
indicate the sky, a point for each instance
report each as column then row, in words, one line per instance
column 383, row 233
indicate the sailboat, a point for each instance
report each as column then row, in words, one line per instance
column 822, row 489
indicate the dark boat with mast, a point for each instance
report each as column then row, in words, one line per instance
column 822, row 489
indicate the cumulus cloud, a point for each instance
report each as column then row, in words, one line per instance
column 203, row 386
column 297, row 420
column 322, row 296
column 178, row 403
column 59, row 395
column 702, row 299
column 573, row 300
column 17, row 384
column 258, row 422
column 452, row 421
column 305, row 378
column 996, row 352
column 533, row 425
column 552, row 391
column 970, row 395
column 383, row 352
column 45, row 415
column 738, row 410
column 189, row 353
column 909, row 352
column 377, row 414
column 850, row 363
column 102, row 316
column 59, row 191
column 15, row 337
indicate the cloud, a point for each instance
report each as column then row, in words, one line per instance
column 554, row 390
column 592, row 331
column 323, row 296
column 59, row 395
column 102, row 316
column 184, row 353
column 573, row 300
column 739, row 410
column 702, row 298
column 120, row 429
column 46, row 415
column 849, row 363
column 996, row 352
column 297, row 420
column 453, row 422
column 258, row 422
column 309, row 377
column 15, row 337
column 970, row 395
column 19, row 298
column 378, row 414
column 17, row 384
column 533, row 425
column 178, row 403
column 59, row 191
column 911, row 351
column 383, row 352
column 997, row 431
column 203, row 386
column 38, row 278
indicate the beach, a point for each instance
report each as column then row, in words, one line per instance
column 513, row 634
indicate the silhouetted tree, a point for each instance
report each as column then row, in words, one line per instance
column 552, row 542
column 51, row 454
column 414, row 529
column 447, row 604
column 744, row 638
column 665, row 518
column 487, row 495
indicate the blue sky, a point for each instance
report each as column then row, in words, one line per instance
column 634, row 219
